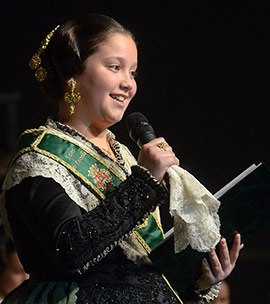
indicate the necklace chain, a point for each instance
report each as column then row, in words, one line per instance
column 108, row 151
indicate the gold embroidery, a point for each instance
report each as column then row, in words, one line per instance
column 144, row 224
column 102, row 178
column 92, row 153
column 71, row 168
column 70, row 154
column 80, row 159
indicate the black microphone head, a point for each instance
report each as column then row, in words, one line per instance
column 139, row 128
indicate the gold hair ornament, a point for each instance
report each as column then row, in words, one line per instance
column 35, row 61
column 72, row 97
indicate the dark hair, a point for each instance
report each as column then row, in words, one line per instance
column 70, row 46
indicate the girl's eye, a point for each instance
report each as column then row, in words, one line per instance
column 115, row 67
column 134, row 74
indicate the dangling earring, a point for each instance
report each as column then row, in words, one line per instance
column 72, row 97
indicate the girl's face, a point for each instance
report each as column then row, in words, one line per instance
column 107, row 84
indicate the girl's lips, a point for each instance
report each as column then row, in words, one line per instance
column 118, row 99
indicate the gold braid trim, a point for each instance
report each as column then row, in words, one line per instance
column 177, row 296
column 142, row 242
column 20, row 152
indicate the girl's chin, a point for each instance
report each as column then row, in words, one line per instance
column 115, row 118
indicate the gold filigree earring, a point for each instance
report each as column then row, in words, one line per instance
column 72, row 97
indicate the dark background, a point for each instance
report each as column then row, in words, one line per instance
column 203, row 83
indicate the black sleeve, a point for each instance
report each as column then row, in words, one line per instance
column 77, row 238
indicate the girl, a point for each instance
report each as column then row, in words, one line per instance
column 76, row 198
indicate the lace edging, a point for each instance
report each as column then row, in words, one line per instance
column 196, row 221
column 33, row 164
column 213, row 293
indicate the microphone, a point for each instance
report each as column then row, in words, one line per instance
column 141, row 132
column 139, row 129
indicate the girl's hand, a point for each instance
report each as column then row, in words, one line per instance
column 157, row 158
column 219, row 268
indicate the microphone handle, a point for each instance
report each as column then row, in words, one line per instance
column 145, row 138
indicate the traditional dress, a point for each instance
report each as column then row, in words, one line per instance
column 83, row 223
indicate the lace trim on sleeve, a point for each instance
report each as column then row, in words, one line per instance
column 191, row 297
column 212, row 294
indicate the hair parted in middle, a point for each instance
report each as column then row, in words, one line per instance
column 70, row 46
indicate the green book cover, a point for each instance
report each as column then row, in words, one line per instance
column 245, row 208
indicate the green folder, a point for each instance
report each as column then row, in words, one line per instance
column 245, row 208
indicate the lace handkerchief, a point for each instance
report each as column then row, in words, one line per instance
column 194, row 208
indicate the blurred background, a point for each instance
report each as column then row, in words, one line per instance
column 202, row 83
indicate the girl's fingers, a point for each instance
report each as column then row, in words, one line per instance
column 207, row 272
column 224, row 254
column 236, row 247
column 215, row 264
column 218, row 268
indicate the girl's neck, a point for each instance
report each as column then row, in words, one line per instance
column 97, row 137
column 93, row 134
